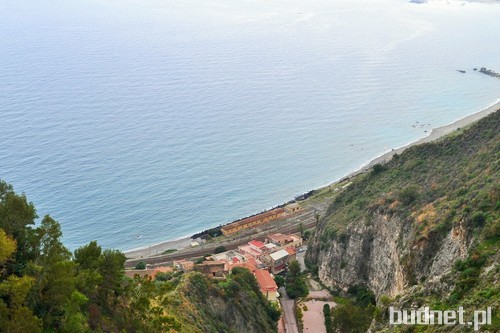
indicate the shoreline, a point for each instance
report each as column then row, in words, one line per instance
column 436, row 133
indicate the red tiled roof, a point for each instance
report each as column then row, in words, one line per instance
column 235, row 260
column 291, row 250
column 265, row 280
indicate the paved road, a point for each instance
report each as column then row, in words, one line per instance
column 288, row 313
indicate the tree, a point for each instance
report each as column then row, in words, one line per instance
column 16, row 215
column 295, row 283
column 280, row 280
column 54, row 274
column 15, row 316
column 7, row 247
column 88, row 256
column 140, row 265
column 111, row 269
column 328, row 318
column 350, row 318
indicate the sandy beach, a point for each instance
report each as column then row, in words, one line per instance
column 436, row 133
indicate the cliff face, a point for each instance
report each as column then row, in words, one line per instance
column 405, row 224
column 384, row 255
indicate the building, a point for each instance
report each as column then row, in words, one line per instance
column 229, row 256
column 277, row 261
column 284, row 241
column 251, row 265
column 253, row 221
column 292, row 254
column 267, row 284
column 292, row 208
column 213, row 269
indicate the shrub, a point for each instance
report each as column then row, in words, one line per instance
column 478, row 219
column 220, row 249
column 408, row 195
column 140, row 265
column 378, row 168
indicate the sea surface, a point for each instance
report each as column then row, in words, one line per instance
column 136, row 121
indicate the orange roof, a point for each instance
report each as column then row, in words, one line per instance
column 251, row 265
column 265, row 280
column 291, row 251
column 253, row 218
column 277, row 237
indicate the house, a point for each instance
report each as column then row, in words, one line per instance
column 253, row 221
column 213, row 269
column 267, row 284
column 284, row 241
column 228, row 255
column 292, row 208
column 251, row 265
column 277, row 261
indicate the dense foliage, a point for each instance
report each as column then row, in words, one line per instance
column 295, row 281
column 46, row 288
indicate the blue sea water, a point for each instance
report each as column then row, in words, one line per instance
column 132, row 122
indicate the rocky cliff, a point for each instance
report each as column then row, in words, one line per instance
column 408, row 225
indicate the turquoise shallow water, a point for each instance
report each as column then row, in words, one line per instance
column 133, row 122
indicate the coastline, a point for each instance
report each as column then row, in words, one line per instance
column 435, row 134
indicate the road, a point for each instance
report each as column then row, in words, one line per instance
column 288, row 312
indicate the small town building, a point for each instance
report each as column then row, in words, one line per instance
column 292, row 208
column 253, row 221
column 284, row 241
column 213, row 269
column 277, row 261
column 266, row 284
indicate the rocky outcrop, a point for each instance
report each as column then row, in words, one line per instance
column 385, row 255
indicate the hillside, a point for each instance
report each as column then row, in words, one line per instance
column 46, row 288
column 422, row 229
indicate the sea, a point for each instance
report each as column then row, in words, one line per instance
column 132, row 122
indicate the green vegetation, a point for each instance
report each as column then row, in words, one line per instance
column 351, row 318
column 220, row 249
column 46, row 288
column 280, row 280
column 168, row 251
column 430, row 189
column 328, row 318
column 295, row 281
column 140, row 265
